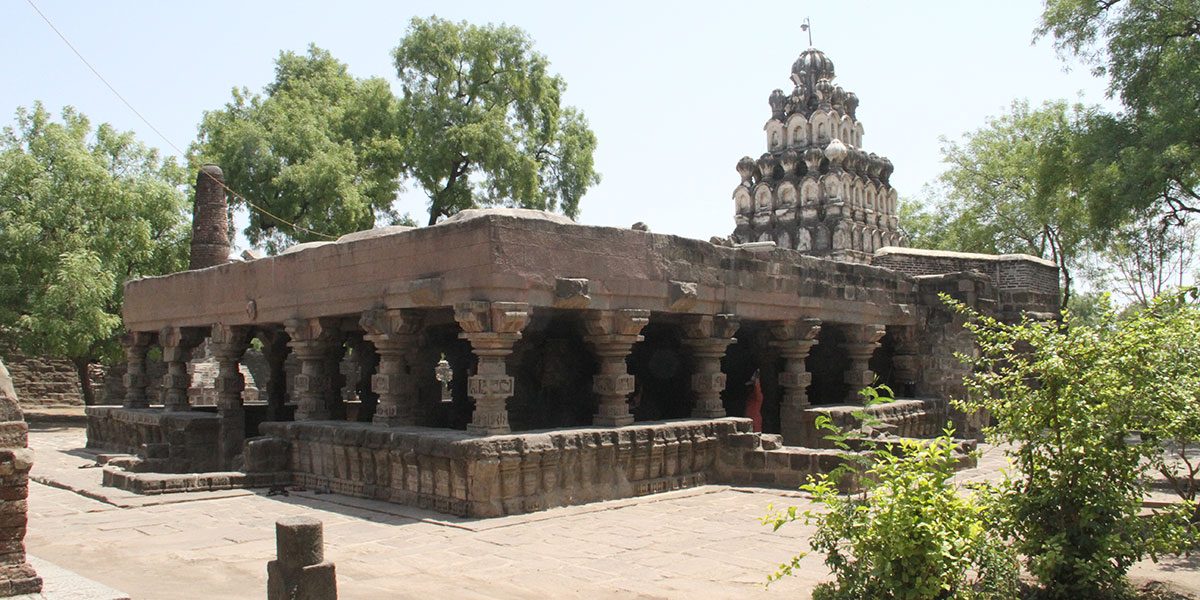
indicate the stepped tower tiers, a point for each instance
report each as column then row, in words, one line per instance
column 816, row 190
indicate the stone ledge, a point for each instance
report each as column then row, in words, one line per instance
column 166, row 483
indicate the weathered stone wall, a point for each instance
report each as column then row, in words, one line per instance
column 1022, row 283
column 454, row 472
column 16, row 575
column 167, row 442
column 48, row 382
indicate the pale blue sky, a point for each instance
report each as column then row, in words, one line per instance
column 676, row 92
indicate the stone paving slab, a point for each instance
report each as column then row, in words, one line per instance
column 703, row 542
column 61, row 584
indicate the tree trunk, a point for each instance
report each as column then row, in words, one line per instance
column 83, row 369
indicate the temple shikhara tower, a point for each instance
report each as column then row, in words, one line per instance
column 815, row 189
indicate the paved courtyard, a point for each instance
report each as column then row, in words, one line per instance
column 700, row 543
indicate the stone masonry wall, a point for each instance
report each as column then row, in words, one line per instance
column 1022, row 283
column 454, row 472
column 47, row 382
column 16, row 575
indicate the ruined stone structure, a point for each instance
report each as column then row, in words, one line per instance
column 16, row 574
column 584, row 363
column 816, row 190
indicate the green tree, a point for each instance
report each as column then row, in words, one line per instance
column 1089, row 411
column 1148, row 156
column 81, row 212
column 319, row 148
column 1005, row 190
column 487, row 121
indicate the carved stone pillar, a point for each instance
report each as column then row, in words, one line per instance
column 394, row 333
column 612, row 334
column 227, row 345
column 177, row 344
column 906, row 361
column 492, row 328
column 136, row 343
column 275, row 351
column 310, row 340
column 707, row 337
column 861, row 342
column 794, row 340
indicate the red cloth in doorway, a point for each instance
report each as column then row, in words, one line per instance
column 754, row 403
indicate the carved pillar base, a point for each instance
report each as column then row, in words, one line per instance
column 861, row 342
column 492, row 328
column 310, row 341
column 612, row 334
column 707, row 337
column 394, row 333
column 177, row 344
column 136, row 343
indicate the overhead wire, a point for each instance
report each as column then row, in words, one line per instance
column 164, row 137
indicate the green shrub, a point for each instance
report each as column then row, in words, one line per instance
column 1083, row 408
column 909, row 535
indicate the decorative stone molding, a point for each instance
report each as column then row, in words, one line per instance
column 707, row 337
column 612, row 334
column 492, row 328
column 682, row 296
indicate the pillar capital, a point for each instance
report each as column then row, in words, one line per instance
column 492, row 317
column 228, row 342
column 303, row 331
column 379, row 323
column 719, row 326
column 794, row 330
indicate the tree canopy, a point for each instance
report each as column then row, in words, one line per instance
column 319, row 148
column 1148, row 156
column 81, row 212
column 487, row 122
column 1005, row 190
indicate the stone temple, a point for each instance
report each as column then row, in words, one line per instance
column 511, row 360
